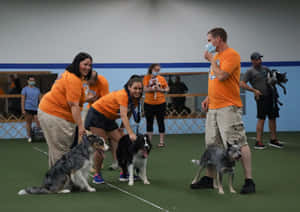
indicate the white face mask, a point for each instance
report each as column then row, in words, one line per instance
column 210, row 48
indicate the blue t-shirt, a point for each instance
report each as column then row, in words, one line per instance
column 31, row 98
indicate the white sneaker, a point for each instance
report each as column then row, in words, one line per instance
column 29, row 140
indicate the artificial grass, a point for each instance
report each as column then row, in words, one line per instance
column 276, row 173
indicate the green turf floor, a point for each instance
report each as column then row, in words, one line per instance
column 276, row 173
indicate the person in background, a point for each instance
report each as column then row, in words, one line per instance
column 14, row 88
column 14, row 84
column 155, row 87
column 29, row 105
column 224, row 117
column 179, row 102
column 60, row 109
column 101, row 117
column 265, row 102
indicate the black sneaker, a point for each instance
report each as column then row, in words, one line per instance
column 249, row 187
column 259, row 145
column 203, row 183
column 276, row 144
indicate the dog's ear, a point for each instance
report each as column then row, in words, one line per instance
column 228, row 144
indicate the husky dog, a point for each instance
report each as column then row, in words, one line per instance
column 223, row 161
column 133, row 156
column 71, row 169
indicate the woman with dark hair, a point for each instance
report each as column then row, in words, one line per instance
column 101, row 117
column 60, row 109
column 155, row 102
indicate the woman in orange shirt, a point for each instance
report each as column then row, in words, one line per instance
column 60, row 109
column 155, row 102
column 101, row 117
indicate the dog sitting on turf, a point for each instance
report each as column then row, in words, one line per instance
column 71, row 169
column 133, row 156
column 222, row 161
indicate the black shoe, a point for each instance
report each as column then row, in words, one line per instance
column 203, row 183
column 276, row 144
column 249, row 187
column 259, row 145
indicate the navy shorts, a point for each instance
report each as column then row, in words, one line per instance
column 98, row 120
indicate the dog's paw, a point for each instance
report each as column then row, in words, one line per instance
column 130, row 183
column 91, row 189
column 22, row 192
column 194, row 181
column 146, row 182
column 233, row 191
column 65, row 191
column 221, row 192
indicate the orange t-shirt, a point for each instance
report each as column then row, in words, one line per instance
column 225, row 93
column 155, row 98
column 100, row 89
column 109, row 105
column 67, row 88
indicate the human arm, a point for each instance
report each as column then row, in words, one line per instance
column 90, row 98
column 76, row 114
column 125, row 122
column 204, row 104
column 23, row 93
column 248, row 76
column 75, row 97
column 149, row 89
column 23, row 104
column 164, row 88
column 221, row 75
column 256, row 92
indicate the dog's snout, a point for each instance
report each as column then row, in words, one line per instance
column 239, row 157
column 106, row 147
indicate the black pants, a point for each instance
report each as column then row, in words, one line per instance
column 157, row 111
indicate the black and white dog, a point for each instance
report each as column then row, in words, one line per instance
column 72, row 169
column 133, row 156
column 274, row 78
column 222, row 161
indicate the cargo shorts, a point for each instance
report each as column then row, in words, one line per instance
column 225, row 125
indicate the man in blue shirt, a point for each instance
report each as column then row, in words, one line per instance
column 29, row 104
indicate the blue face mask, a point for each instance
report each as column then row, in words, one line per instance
column 155, row 73
column 210, row 48
column 32, row 83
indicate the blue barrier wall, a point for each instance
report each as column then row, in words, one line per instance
column 118, row 74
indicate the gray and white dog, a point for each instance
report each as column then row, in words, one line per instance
column 222, row 161
column 71, row 169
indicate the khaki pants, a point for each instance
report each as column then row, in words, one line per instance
column 59, row 135
column 224, row 126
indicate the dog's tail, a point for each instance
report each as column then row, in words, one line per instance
column 197, row 162
column 34, row 190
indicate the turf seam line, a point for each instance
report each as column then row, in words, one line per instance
column 117, row 188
